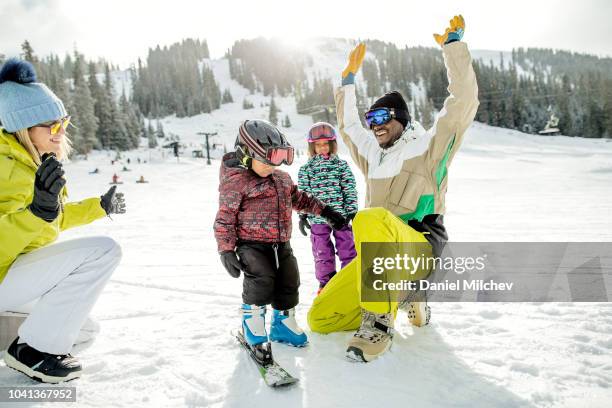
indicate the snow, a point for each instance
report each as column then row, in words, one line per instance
column 492, row 57
column 122, row 82
column 167, row 312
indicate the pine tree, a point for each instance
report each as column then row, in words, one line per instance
column 273, row 115
column 608, row 109
column 160, row 130
column 246, row 104
column 28, row 53
column 563, row 103
column 68, row 65
column 227, row 97
column 117, row 134
column 83, row 111
column 144, row 129
column 150, row 129
column 287, row 122
column 102, row 108
column 152, row 138
column 132, row 123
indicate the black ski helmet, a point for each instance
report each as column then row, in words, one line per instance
column 254, row 139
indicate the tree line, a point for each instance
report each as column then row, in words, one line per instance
column 518, row 94
column 175, row 81
column 100, row 118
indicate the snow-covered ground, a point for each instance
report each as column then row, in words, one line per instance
column 167, row 312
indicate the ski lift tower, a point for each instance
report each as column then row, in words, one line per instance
column 207, row 135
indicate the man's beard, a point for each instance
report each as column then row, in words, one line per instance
column 390, row 142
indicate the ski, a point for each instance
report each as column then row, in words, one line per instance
column 271, row 372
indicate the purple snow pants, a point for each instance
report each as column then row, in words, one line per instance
column 324, row 252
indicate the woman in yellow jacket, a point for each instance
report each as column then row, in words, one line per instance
column 66, row 277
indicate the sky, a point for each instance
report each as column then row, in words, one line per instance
column 123, row 30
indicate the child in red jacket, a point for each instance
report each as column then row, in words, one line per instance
column 253, row 228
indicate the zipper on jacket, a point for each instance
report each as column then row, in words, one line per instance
column 275, row 248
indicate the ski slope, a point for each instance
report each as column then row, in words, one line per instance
column 166, row 314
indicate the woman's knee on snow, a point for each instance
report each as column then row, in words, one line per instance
column 113, row 251
column 108, row 254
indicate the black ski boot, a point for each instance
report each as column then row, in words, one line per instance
column 43, row 367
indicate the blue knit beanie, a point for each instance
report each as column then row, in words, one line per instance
column 23, row 101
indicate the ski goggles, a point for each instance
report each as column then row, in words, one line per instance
column 321, row 132
column 273, row 155
column 55, row 126
column 279, row 155
column 380, row 116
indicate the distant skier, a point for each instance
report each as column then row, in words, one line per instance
column 141, row 180
column 405, row 168
column 331, row 180
column 66, row 277
column 95, row 171
column 253, row 228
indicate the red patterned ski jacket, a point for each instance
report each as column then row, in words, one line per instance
column 253, row 208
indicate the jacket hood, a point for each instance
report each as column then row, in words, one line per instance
column 230, row 166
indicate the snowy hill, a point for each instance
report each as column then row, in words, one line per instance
column 166, row 314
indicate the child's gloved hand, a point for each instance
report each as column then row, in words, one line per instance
column 453, row 33
column 350, row 216
column 304, row 224
column 333, row 218
column 232, row 264
column 355, row 60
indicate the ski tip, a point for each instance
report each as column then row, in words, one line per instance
column 285, row 383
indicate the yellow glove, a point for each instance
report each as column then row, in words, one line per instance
column 355, row 60
column 453, row 33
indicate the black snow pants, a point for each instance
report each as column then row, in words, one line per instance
column 271, row 276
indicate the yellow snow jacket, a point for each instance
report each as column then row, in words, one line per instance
column 20, row 230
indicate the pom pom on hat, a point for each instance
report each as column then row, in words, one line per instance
column 19, row 71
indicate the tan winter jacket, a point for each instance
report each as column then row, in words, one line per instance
column 409, row 178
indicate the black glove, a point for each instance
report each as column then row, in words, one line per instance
column 232, row 264
column 304, row 224
column 48, row 182
column 333, row 218
column 350, row 216
column 112, row 202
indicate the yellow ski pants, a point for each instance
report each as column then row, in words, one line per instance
column 338, row 306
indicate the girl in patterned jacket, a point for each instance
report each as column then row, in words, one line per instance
column 329, row 179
